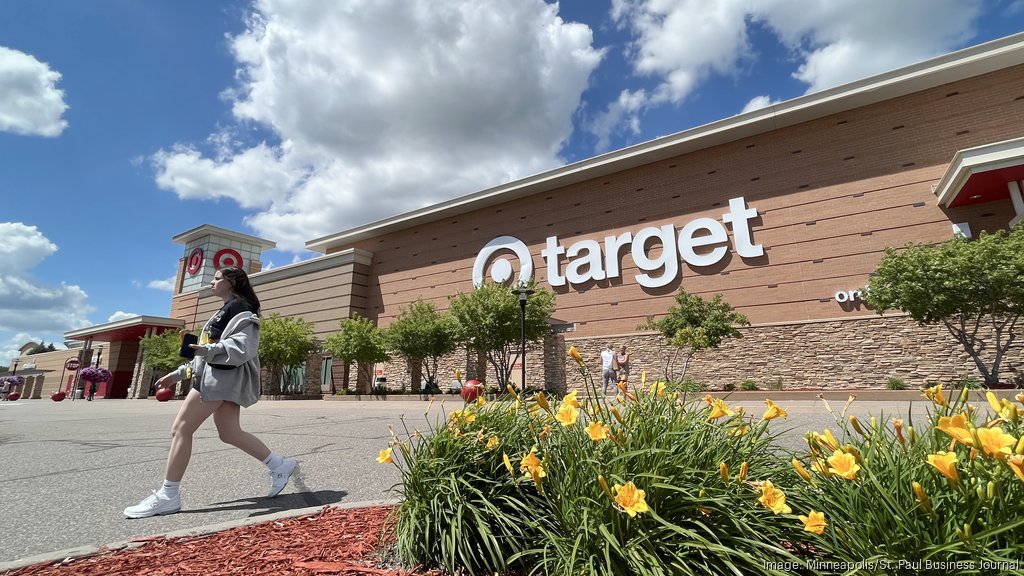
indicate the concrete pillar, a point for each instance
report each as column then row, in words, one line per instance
column 1018, row 203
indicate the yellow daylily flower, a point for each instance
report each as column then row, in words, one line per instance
column 773, row 411
column 719, row 409
column 481, row 401
column 956, row 426
column 658, row 388
column 571, row 400
column 630, row 499
column 1020, row 397
column 843, row 464
column 995, row 442
column 530, row 465
column 1016, row 463
column 814, row 522
column 492, row 442
column 935, row 394
column 575, row 354
column 508, row 464
column 945, row 462
column 773, row 499
column 512, row 392
column 567, row 415
column 597, row 431
column 458, row 375
column 384, row 457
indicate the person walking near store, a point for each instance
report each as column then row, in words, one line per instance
column 623, row 359
column 225, row 375
column 608, row 375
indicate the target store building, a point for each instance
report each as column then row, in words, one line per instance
column 784, row 211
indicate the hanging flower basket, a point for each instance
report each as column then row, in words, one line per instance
column 91, row 374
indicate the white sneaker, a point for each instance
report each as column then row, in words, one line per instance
column 279, row 476
column 154, row 505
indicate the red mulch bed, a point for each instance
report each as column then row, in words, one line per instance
column 333, row 541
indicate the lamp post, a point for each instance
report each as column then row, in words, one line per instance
column 99, row 354
column 523, row 292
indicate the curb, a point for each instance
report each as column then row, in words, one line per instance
column 61, row 556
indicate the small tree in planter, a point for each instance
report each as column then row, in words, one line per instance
column 284, row 341
column 422, row 335
column 358, row 340
column 695, row 324
column 488, row 320
column 160, row 352
column 973, row 288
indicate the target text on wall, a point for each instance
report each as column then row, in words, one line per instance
column 700, row 242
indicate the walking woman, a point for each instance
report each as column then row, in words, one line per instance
column 225, row 376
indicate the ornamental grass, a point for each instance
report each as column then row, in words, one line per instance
column 654, row 483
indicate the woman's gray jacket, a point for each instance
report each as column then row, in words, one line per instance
column 239, row 347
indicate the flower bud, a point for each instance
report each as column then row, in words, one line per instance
column 743, row 471
column 800, row 470
column 922, row 497
column 856, row 424
column 604, row 486
column 723, row 469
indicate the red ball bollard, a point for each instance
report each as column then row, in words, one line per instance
column 57, row 396
column 164, row 394
column 471, row 390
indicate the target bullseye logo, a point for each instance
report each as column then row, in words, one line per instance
column 227, row 257
column 195, row 261
column 501, row 270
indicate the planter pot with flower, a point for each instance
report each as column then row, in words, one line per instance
column 93, row 376
column 58, row 396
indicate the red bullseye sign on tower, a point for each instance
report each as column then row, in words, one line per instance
column 227, row 257
column 195, row 261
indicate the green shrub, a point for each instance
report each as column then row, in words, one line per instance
column 776, row 384
column 898, row 509
column 748, row 385
column 729, row 387
column 465, row 508
column 895, row 384
column 687, row 386
column 969, row 383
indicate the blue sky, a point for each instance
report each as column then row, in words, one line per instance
column 124, row 123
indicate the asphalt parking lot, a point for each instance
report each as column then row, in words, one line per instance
column 70, row 468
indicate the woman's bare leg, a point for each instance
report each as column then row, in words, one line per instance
column 230, row 431
column 193, row 412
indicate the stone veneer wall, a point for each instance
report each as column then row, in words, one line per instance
column 827, row 355
column 838, row 354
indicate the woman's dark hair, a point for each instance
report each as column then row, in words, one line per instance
column 240, row 285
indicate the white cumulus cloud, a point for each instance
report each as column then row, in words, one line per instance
column 683, row 42
column 30, row 102
column 26, row 304
column 386, row 106
column 121, row 315
column 165, row 284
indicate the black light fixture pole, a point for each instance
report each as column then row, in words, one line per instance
column 99, row 354
column 14, row 362
column 523, row 292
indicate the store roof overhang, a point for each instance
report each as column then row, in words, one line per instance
column 979, row 175
column 129, row 329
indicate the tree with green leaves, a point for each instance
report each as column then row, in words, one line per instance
column 488, row 320
column 160, row 352
column 695, row 324
column 972, row 287
column 358, row 340
column 285, row 341
column 422, row 335
column 41, row 348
